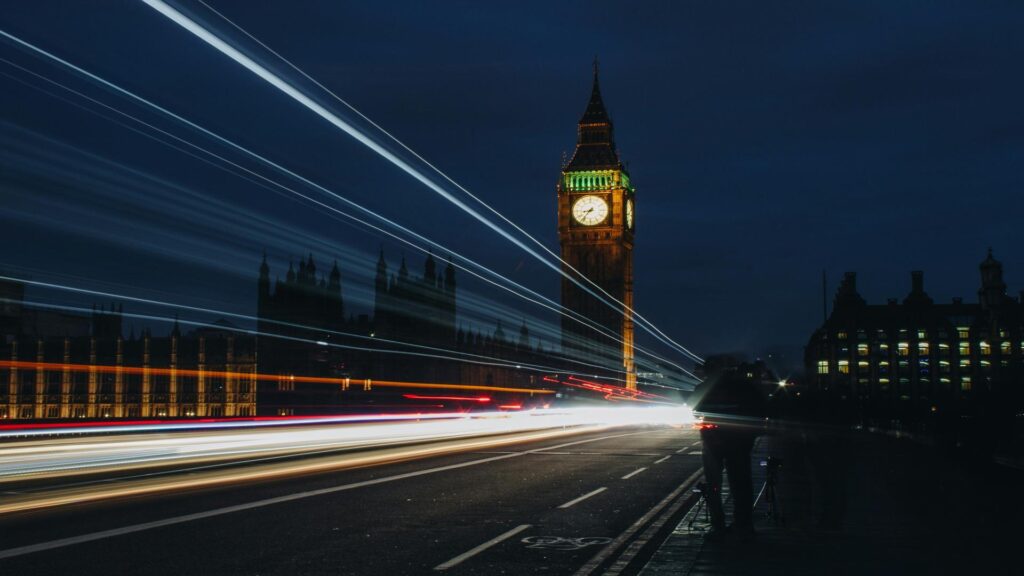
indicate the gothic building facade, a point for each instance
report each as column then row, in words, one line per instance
column 919, row 359
column 411, row 337
column 61, row 372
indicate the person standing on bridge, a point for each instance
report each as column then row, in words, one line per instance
column 733, row 414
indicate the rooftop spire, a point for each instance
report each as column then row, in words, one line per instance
column 595, row 112
column 595, row 142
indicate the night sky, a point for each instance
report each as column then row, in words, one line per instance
column 768, row 142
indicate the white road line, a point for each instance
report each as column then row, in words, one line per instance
column 614, row 545
column 60, row 543
column 474, row 551
column 634, row 473
column 681, row 450
column 660, row 460
column 697, row 443
column 582, row 498
column 696, row 453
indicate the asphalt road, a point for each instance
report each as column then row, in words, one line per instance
column 543, row 507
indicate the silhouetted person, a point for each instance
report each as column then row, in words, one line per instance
column 733, row 412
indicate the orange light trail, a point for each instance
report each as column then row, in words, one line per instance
column 188, row 372
column 480, row 399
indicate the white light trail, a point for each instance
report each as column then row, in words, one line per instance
column 277, row 82
column 516, row 288
column 644, row 321
column 357, row 444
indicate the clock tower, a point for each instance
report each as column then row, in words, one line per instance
column 595, row 229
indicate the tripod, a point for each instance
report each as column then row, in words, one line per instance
column 701, row 489
column 771, row 466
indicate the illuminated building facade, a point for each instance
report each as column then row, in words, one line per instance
column 208, row 373
column 596, row 219
column 911, row 360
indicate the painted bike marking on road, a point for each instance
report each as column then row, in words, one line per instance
column 660, row 460
column 575, row 501
column 562, row 543
column 621, row 539
column 633, row 473
column 478, row 549
column 133, row 528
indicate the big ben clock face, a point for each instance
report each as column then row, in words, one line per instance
column 590, row 210
column 629, row 214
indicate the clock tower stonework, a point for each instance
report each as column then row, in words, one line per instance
column 595, row 228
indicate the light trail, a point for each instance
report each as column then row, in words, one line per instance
column 441, row 173
column 279, row 83
column 188, row 372
column 516, row 288
column 361, row 445
column 466, row 357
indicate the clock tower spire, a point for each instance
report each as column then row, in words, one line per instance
column 595, row 230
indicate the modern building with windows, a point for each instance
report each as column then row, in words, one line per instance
column 912, row 360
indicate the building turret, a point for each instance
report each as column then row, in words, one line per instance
column 263, row 285
column 449, row 277
column 430, row 269
column 335, row 280
column 993, row 289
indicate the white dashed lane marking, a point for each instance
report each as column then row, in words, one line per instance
column 634, row 473
column 575, row 501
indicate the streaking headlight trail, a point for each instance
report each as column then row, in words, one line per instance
column 204, row 452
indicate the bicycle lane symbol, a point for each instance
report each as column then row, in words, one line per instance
column 562, row 543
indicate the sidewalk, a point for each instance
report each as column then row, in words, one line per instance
column 863, row 505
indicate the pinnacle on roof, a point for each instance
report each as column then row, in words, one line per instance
column 595, row 142
column 595, row 112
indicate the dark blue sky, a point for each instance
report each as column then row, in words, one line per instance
column 768, row 141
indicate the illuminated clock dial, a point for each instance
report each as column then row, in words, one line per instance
column 590, row 210
column 629, row 214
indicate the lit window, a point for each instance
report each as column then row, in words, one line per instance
column 964, row 348
column 863, row 364
column 1003, row 333
column 965, row 383
column 922, row 334
column 883, row 347
column 904, row 348
column 844, row 366
column 1005, row 348
column 862, row 349
column 822, row 366
column 985, row 347
column 922, row 348
column 841, row 335
column 963, row 332
column 965, row 362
